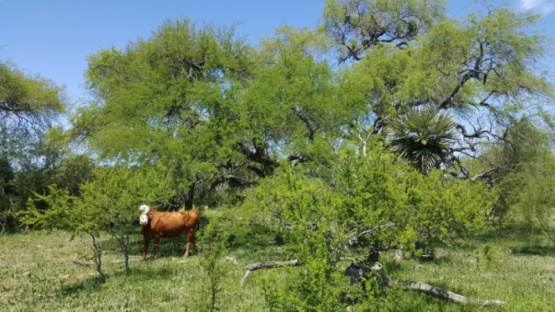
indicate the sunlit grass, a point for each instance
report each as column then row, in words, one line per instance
column 496, row 266
column 511, row 265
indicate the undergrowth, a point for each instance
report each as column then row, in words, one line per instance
column 39, row 273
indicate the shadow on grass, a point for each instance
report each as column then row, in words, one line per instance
column 89, row 285
column 516, row 232
column 147, row 273
column 394, row 267
column 536, row 250
column 95, row 283
column 521, row 239
column 415, row 301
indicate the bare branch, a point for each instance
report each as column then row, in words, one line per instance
column 266, row 265
column 333, row 148
column 311, row 129
column 448, row 295
column 351, row 241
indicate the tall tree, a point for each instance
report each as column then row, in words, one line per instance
column 171, row 99
column 28, row 102
column 290, row 105
column 478, row 69
column 29, row 106
column 359, row 25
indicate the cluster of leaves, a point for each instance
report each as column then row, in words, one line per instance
column 28, row 102
column 214, row 240
column 29, row 105
column 370, row 201
column 532, row 199
column 106, row 204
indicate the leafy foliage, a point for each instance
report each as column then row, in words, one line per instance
column 28, row 102
column 474, row 69
column 29, row 105
column 358, row 25
column 107, row 203
column 371, row 203
column 213, row 241
column 532, row 197
column 172, row 99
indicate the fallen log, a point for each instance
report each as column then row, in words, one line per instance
column 266, row 265
column 448, row 295
column 360, row 273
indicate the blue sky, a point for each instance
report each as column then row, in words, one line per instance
column 53, row 37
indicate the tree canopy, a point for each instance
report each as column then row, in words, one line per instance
column 29, row 106
column 28, row 101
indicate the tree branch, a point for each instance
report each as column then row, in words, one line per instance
column 446, row 294
column 266, row 265
column 312, row 130
column 360, row 273
column 351, row 241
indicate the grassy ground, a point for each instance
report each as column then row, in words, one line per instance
column 510, row 265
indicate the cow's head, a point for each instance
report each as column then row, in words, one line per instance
column 143, row 219
column 144, row 208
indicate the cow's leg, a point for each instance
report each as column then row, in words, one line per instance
column 156, row 245
column 145, row 248
column 191, row 240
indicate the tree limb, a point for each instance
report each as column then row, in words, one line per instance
column 360, row 273
column 267, row 265
column 311, row 129
column 446, row 294
column 351, row 241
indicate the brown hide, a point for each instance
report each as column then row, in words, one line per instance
column 170, row 224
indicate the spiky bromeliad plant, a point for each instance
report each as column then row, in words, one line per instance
column 423, row 136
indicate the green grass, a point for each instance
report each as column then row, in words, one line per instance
column 515, row 266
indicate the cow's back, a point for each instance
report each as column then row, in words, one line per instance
column 171, row 224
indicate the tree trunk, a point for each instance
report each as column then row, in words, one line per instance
column 97, row 256
column 189, row 197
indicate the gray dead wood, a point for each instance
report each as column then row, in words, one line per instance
column 361, row 273
column 266, row 265
column 448, row 295
column 357, row 274
column 354, row 239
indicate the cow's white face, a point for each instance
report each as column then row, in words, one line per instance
column 143, row 219
column 144, row 209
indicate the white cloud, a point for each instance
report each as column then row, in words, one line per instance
column 530, row 4
column 543, row 6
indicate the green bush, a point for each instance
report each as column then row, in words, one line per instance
column 365, row 203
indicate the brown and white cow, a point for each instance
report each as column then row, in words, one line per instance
column 156, row 225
